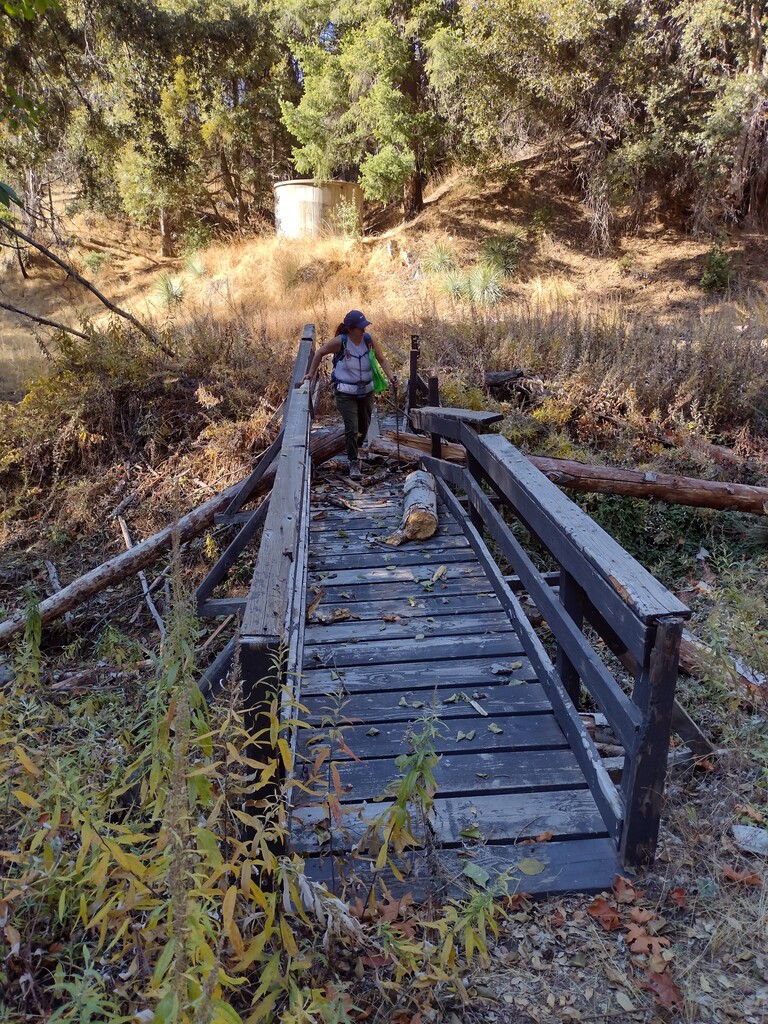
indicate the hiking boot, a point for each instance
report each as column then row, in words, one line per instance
column 354, row 470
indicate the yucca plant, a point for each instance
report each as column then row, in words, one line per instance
column 502, row 253
column 438, row 259
column 484, row 286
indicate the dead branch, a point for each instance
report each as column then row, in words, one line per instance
column 142, row 579
column 71, row 272
column 42, row 320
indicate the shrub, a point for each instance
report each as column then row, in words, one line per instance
column 195, row 237
column 438, row 259
column 718, row 272
column 484, row 286
column 94, row 261
column 501, row 254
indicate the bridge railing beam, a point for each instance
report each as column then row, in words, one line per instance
column 602, row 584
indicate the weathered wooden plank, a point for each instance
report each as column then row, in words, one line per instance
column 349, row 630
column 644, row 775
column 220, row 607
column 331, row 544
column 421, row 573
column 384, row 588
column 459, row 774
column 518, row 732
column 501, row 819
column 382, row 526
column 472, row 417
column 599, row 781
column 613, row 702
column 429, row 649
column 374, row 556
column 447, row 701
column 430, row 606
column 465, row 674
column 265, row 612
column 583, row 865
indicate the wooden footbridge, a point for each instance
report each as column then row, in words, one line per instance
column 425, row 654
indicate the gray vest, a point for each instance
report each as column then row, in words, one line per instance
column 352, row 374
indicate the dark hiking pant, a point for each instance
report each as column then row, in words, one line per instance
column 356, row 412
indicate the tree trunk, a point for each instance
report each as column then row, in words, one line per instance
column 419, row 509
column 166, row 239
column 676, row 490
column 413, row 196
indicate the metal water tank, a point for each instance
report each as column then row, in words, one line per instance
column 307, row 208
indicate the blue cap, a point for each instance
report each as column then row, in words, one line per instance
column 355, row 318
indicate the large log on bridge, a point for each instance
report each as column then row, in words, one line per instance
column 322, row 447
column 675, row 490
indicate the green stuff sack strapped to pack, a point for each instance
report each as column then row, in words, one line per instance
column 379, row 380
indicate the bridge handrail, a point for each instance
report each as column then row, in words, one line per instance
column 599, row 582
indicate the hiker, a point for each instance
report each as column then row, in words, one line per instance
column 353, row 379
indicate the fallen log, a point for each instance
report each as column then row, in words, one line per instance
column 322, row 447
column 419, row 509
column 578, row 476
column 675, row 490
column 694, row 654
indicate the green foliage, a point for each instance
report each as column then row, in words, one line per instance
column 365, row 106
column 28, row 659
column 718, row 272
column 345, row 219
column 194, row 237
column 170, row 291
column 501, row 254
column 484, row 285
column 94, row 261
column 438, row 259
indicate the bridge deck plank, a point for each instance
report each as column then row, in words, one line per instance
column 425, row 632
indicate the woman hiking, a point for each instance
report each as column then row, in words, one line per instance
column 353, row 379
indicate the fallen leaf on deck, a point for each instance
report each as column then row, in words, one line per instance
column 471, row 734
column 494, row 728
column 639, row 941
column 439, row 573
column 531, row 866
column 418, row 704
column 640, row 916
column 678, row 897
column 391, row 618
column 373, row 731
column 471, row 833
column 403, row 703
column 624, row 1001
column 544, row 837
column 475, row 873
column 313, row 606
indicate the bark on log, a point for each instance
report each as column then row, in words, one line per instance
column 322, row 447
column 675, row 490
column 419, row 509
column 693, row 652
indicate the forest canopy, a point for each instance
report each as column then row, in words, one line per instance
column 181, row 112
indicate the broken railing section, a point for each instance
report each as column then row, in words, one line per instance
column 600, row 584
column 256, row 518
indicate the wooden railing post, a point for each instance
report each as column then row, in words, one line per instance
column 413, row 372
column 572, row 600
column 646, row 766
column 434, row 400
